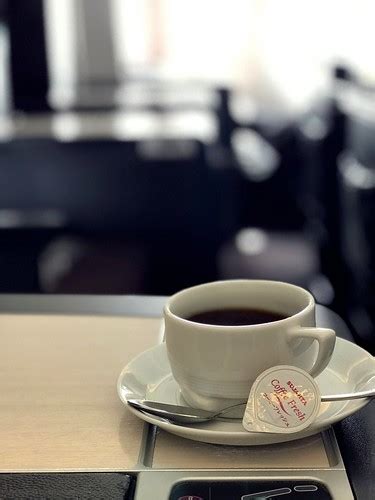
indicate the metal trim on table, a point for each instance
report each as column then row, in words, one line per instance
column 107, row 305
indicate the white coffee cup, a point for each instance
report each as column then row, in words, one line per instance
column 215, row 365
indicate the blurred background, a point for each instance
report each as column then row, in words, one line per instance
column 150, row 145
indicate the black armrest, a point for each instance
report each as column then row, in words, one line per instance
column 356, row 438
column 59, row 486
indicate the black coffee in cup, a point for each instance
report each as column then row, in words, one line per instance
column 236, row 317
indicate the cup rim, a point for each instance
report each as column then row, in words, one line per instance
column 309, row 306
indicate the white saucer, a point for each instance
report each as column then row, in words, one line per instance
column 148, row 376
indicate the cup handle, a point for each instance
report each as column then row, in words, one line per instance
column 326, row 339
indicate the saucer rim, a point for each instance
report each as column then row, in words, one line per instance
column 212, row 435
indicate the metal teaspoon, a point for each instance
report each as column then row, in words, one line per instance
column 188, row 415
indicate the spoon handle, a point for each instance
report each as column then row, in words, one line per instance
column 369, row 393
